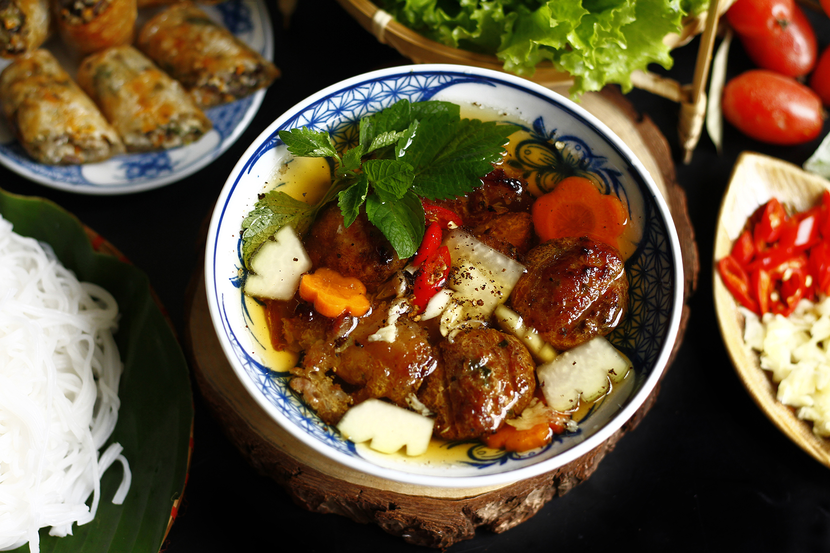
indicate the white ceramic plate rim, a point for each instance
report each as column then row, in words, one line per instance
column 192, row 157
column 361, row 465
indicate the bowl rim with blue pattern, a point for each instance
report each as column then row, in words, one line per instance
column 655, row 271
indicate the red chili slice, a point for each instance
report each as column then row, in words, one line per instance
column 743, row 250
column 793, row 290
column 769, row 226
column 779, row 288
column 432, row 239
column 824, row 222
column 779, row 259
column 737, row 282
column 820, row 266
column 447, row 218
column 431, row 277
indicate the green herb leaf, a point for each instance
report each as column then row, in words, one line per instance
column 270, row 214
column 350, row 162
column 393, row 119
column 402, row 221
column 421, row 110
column 304, row 142
column 383, row 140
column 399, row 116
column 406, row 139
column 352, row 198
column 406, row 151
column 390, row 178
column 450, row 158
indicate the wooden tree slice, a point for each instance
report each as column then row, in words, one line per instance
column 434, row 517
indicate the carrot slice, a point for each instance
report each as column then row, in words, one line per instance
column 576, row 208
column 333, row 294
column 510, row 438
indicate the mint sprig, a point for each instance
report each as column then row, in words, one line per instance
column 406, row 152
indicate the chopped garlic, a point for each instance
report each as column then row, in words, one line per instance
column 796, row 351
column 389, row 332
column 416, row 405
column 437, row 304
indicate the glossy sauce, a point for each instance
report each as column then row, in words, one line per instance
column 309, row 178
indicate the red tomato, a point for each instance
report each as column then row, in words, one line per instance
column 820, row 79
column 772, row 108
column 791, row 52
column 825, row 4
column 760, row 17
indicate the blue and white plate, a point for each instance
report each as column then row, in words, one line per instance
column 128, row 173
column 555, row 124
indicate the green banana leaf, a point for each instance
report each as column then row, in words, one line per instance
column 156, row 415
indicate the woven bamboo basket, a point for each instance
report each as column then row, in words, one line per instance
column 691, row 97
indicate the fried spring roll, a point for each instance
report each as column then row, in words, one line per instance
column 156, row 3
column 211, row 63
column 24, row 26
column 149, row 109
column 51, row 116
column 92, row 25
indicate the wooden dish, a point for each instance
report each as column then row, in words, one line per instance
column 756, row 179
column 423, row 50
column 433, row 517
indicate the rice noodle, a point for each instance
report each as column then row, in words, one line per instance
column 59, row 375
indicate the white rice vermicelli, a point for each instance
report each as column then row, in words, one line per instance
column 59, row 374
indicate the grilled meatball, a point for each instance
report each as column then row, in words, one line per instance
column 381, row 369
column 340, row 357
column 303, row 330
column 322, row 394
column 498, row 194
column 574, row 289
column 485, row 377
column 359, row 251
column 510, row 233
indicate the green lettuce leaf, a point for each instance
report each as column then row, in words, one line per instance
column 596, row 41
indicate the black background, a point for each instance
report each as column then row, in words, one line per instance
column 705, row 470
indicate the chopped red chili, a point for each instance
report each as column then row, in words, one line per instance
column 447, row 218
column 780, row 259
column 737, row 282
column 431, row 277
column 432, row 239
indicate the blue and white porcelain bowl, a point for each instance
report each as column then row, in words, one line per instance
column 654, row 269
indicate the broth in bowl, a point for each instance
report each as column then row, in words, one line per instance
column 437, row 312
